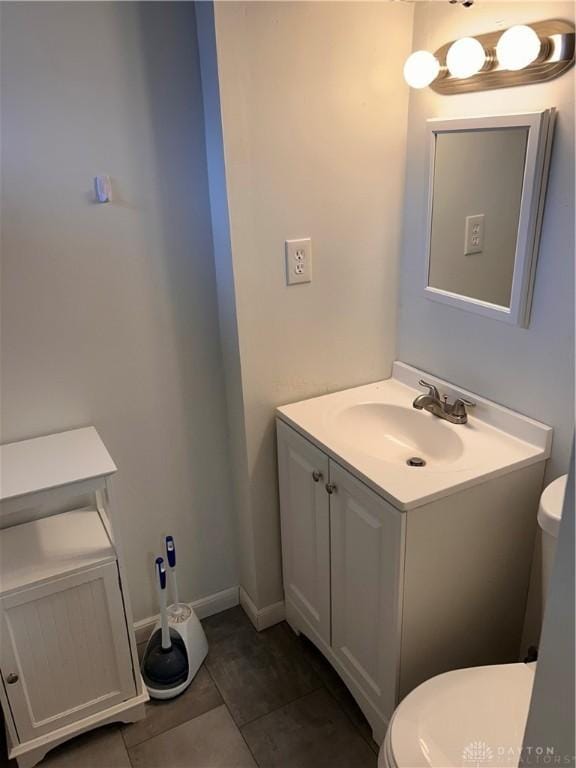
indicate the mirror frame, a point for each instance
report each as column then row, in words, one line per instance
column 538, row 151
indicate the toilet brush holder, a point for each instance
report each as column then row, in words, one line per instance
column 185, row 628
column 180, row 623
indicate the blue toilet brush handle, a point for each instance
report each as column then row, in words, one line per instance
column 161, row 575
column 171, row 557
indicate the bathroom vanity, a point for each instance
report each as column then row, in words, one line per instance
column 68, row 659
column 399, row 572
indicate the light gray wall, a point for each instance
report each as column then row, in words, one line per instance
column 529, row 370
column 109, row 312
column 226, row 290
column 314, row 122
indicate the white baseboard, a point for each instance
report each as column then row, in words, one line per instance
column 216, row 603
column 265, row 617
column 206, row 606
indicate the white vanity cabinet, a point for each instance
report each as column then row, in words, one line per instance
column 366, row 546
column 342, row 548
column 305, row 528
column 393, row 597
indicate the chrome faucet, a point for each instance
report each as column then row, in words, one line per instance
column 454, row 412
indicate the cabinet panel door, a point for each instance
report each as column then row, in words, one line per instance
column 305, row 518
column 367, row 546
column 67, row 643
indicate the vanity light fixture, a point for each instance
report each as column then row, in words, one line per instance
column 421, row 69
column 465, row 57
column 522, row 54
column 518, row 47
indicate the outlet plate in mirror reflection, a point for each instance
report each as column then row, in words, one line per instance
column 474, row 235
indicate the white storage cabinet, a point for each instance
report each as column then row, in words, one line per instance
column 67, row 654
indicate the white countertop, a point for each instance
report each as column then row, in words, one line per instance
column 495, row 440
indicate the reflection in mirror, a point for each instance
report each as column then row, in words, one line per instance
column 478, row 178
column 487, row 186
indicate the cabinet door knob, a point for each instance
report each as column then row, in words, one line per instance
column 331, row 488
column 12, row 678
column 316, row 475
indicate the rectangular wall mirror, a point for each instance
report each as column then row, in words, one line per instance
column 486, row 200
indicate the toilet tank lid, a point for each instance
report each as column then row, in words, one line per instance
column 551, row 502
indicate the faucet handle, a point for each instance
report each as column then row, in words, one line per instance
column 432, row 391
column 459, row 406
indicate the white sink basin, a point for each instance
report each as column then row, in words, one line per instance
column 398, row 434
column 374, row 430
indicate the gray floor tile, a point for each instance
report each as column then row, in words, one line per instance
column 335, row 685
column 226, row 623
column 256, row 672
column 312, row 732
column 201, row 696
column 101, row 748
column 211, row 740
column 4, row 762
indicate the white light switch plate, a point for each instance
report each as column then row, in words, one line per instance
column 474, row 236
column 298, row 261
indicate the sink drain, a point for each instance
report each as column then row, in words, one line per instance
column 416, row 461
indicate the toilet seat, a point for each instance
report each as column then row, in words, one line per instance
column 386, row 756
column 479, row 708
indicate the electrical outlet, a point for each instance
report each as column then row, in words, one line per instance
column 298, row 261
column 474, row 235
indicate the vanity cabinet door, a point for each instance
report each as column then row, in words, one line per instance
column 305, row 519
column 64, row 651
column 367, row 546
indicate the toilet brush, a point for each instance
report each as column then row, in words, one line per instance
column 177, row 609
column 171, row 557
column 178, row 645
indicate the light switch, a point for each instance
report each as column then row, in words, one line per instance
column 474, row 235
column 298, row 261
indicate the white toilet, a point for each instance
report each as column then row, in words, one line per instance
column 549, row 514
column 475, row 716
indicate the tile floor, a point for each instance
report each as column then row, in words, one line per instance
column 265, row 699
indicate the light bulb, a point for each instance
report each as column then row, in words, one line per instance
column 465, row 57
column 421, row 69
column 518, row 47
